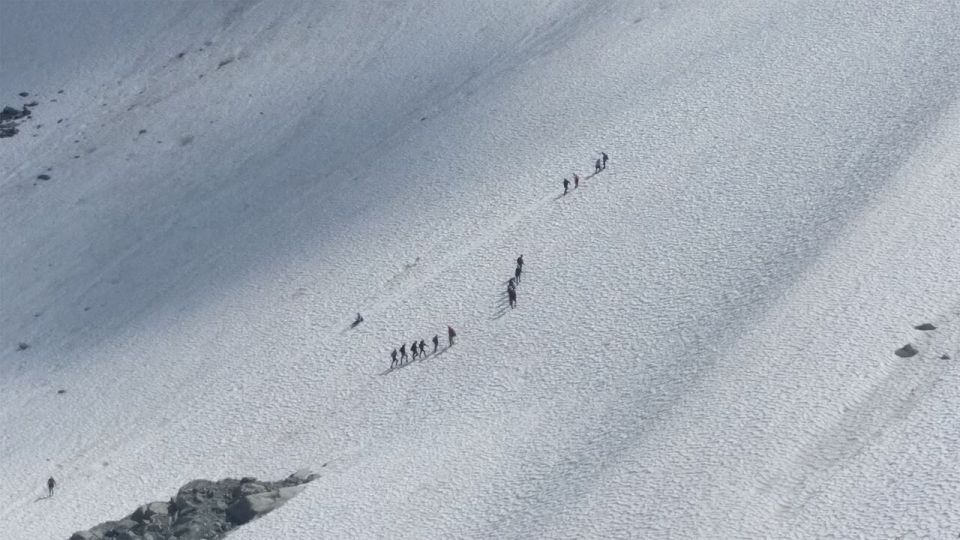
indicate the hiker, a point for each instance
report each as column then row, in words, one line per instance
column 415, row 350
column 403, row 353
column 605, row 157
column 598, row 165
column 520, row 261
column 512, row 284
column 436, row 342
column 512, row 294
column 423, row 348
column 357, row 321
column 393, row 359
column 565, row 184
column 516, row 273
column 451, row 333
column 576, row 181
column 51, row 483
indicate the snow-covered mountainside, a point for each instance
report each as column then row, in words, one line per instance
column 703, row 344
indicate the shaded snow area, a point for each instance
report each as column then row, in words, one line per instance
column 709, row 337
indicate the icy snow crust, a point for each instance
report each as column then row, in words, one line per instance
column 703, row 344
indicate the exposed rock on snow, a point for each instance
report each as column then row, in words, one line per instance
column 925, row 327
column 202, row 509
column 906, row 351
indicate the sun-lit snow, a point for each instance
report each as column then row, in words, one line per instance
column 703, row 342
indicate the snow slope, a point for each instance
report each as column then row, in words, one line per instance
column 703, row 345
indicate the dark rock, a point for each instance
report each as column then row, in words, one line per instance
column 945, row 357
column 84, row 535
column 906, row 351
column 251, row 506
column 43, row 177
column 141, row 132
column 61, row 391
column 22, row 346
column 23, row 94
column 925, row 327
column 31, row 104
column 202, row 510
column 9, row 113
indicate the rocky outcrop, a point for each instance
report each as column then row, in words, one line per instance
column 906, row 351
column 202, row 509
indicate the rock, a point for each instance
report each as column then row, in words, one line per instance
column 62, row 391
column 925, row 327
column 303, row 475
column 251, row 506
column 43, row 177
column 906, row 351
column 31, row 104
column 945, row 357
column 147, row 511
column 22, row 346
column 23, row 94
column 8, row 131
column 287, row 493
column 250, row 488
column 84, row 535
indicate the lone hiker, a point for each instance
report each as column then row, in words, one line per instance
column 436, row 342
column 576, row 181
column 604, row 157
column 598, row 165
column 393, row 359
column 512, row 294
column 451, row 333
column 51, row 483
column 566, row 184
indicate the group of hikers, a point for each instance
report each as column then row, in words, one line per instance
column 514, row 281
column 599, row 165
column 419, row 348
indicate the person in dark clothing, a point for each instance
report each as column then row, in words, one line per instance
column 436, row 342
column 512, row 294
column 414, row 350
column 403, row 353
column 566, row 183
column 393, row 359
column 576, row 181
column 604, row 157
column 512, row 284
column 598, row 165
column 451, row 333
column 51, row 483
column 357, row 321
column 520, row 261
column 516, row 273
column 423, row 348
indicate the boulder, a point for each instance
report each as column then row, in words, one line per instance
column 925, row 327
column 906, row 351
column 84, row 535
column 251, row 489
column 251, row 506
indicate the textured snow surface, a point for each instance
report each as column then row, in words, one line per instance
column 703, row 343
